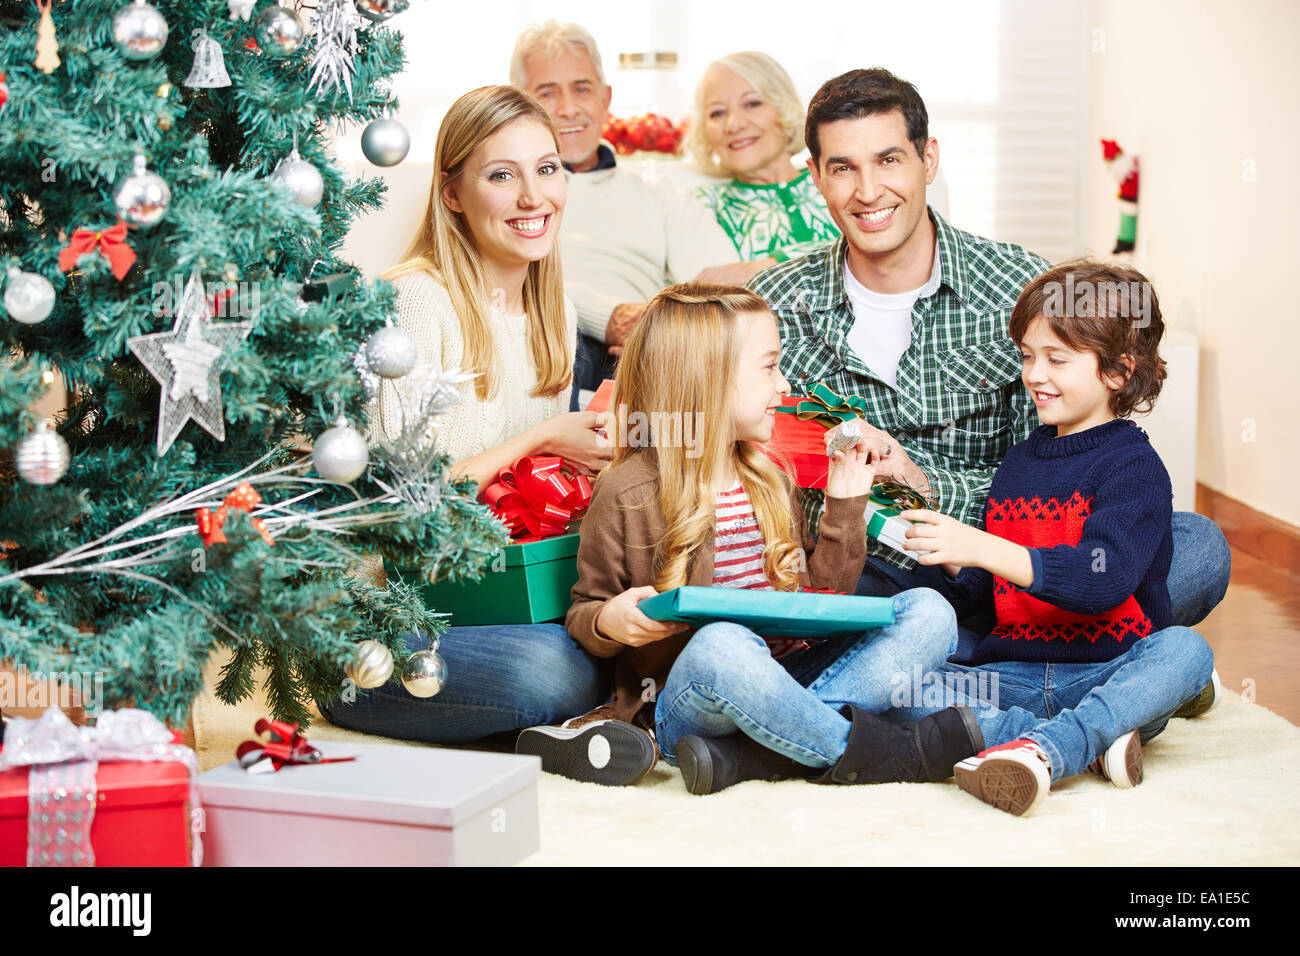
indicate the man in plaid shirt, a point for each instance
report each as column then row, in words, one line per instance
column 911, row 314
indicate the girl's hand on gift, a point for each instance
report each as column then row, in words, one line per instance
column 621, row 620
column 850, row 473
column 950, row 543
column 574, row 436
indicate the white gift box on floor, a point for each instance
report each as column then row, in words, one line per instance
column 392, row 806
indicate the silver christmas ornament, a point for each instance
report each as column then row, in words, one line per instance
column 142, row 198
column 391, row 352
column 279, row 31
column 209, row 70
column 378, row 11
column 29, row 297
column 187, row 362
column 139, row 31
column 302, row 178
column 425, row 672
column 340, row 453
column 42, row 457
column 385, row 142
column 240, row 9
column 373, row 665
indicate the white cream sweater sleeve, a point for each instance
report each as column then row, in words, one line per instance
column 425, row 311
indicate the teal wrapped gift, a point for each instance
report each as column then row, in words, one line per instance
column 526, row 583
column 771, row 613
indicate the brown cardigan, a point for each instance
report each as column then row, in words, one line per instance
column 621, row 529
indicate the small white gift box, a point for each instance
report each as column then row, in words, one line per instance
column 392, row 806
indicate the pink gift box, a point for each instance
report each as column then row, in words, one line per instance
column 392, row 806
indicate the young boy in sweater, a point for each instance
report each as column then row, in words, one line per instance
column 1085, row 659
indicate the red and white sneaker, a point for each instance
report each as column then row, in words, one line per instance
column 1014, row 777
column 1121, row 764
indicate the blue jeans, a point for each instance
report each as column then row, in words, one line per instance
column 592, row 364
column 726, row 680
column 1198, row 579
column 1073, row 711
column 499, row 678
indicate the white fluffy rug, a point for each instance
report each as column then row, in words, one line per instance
column 1222, row 790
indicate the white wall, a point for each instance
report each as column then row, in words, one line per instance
column 1208, row 95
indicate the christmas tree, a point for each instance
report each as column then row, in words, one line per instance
column 205, row 344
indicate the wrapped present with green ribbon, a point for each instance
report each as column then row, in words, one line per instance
column 888, row 499
column 826, row 407
column 799, row 436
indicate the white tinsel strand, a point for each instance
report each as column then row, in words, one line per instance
column 336, row 44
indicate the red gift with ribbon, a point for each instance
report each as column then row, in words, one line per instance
column 538, row 496
column 285, row 744
column 110, row 242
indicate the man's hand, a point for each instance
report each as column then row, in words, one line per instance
column 734, row 273
column 621, row 620
column 621, row 321
column 894, row 462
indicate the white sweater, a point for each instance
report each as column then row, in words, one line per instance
column 623, row 240
column 425, row 311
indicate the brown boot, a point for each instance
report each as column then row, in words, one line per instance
column 593, row 748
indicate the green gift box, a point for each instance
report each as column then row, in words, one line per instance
column 525, row 583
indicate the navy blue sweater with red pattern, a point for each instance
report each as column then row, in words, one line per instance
column 1094, row 509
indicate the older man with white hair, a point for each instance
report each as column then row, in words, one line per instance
column 622, row 239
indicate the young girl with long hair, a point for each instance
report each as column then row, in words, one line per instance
column 715, row 511
column 480, row 290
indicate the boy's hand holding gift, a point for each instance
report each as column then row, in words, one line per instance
column 621, row 620
column 955, row 546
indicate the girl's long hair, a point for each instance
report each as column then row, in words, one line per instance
column 680, row 360
column 444, row 246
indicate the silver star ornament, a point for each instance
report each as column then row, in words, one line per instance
column 187, row 363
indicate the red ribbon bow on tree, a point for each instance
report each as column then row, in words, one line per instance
column 111, row 242
column 286, row 745
column 538, row 496
column 244, row 498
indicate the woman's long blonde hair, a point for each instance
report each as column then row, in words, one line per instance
column 681, row 359
column 444, row 246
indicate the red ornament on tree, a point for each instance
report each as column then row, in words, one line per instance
column 4, row 90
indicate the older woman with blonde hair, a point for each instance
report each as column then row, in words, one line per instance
column 747, row 126
column 481, row 290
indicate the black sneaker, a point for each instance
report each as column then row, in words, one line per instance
column 593, row 748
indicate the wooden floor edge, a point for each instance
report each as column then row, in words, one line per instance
column 1257, row 534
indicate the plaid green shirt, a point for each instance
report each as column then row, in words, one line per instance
column 958, row 405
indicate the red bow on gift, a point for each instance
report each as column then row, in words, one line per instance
column 538, row 496
column 286, row 745
column 111, row 242
column 244, row 498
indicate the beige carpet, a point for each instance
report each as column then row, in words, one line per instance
column 1222, row 790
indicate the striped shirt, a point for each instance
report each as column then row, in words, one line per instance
column 738, row 548
column 957, row 405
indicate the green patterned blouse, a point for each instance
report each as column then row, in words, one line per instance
column 783, row 220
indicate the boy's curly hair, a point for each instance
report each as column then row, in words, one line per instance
column 1108, row 309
